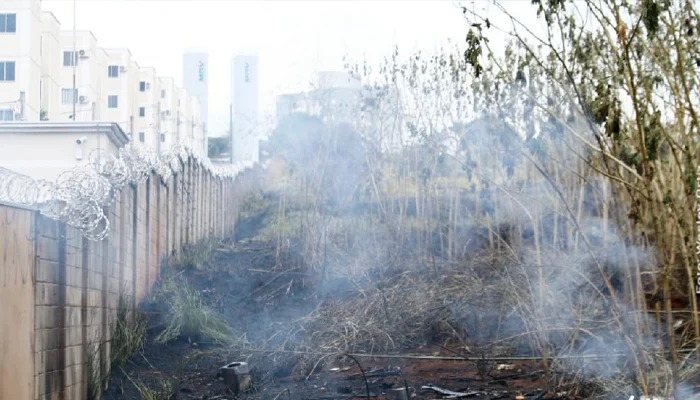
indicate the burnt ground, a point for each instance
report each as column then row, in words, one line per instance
column 242, row 283
column 249, row 303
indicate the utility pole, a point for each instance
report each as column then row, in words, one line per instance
column 230, row 130
column 22, row 102
column 177, row 123
column 74, row 59
column 158, row 130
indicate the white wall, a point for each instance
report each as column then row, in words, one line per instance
column 57, row 153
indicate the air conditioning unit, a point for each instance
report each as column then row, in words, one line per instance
column 122, row 69
column 82, row 54
column 83, row 99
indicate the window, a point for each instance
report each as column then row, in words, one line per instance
column 142, row 137
column 8, row 23
column 7, row 115
column 162, row 94
column 113, row 71
column 7, row 71
column 142, row 111
column 112, row 101
column 142, row 86
column 68, row 96
column 162, row 137
column 70, row 58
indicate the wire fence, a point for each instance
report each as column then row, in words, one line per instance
column 79, row 196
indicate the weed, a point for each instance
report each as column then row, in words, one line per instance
column 165, row 392
column 96, row 375
column 190, row 318
column 196, row 256
column 128, row 337
column 253, row 204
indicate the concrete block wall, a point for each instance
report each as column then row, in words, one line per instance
column 62, row 302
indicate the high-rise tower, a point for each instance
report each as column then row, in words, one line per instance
column 244, row 93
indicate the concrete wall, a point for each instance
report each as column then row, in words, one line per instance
column 17, row 252
column 60, row 291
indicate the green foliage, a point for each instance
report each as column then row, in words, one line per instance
column 473, row 52
column 651, row 11
column 653, row 137
column 188, row 317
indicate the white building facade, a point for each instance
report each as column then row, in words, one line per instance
column 20, row 59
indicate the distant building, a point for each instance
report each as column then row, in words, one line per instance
column 244, row 93
column 335, row 96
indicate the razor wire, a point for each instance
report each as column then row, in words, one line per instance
column 80, row 195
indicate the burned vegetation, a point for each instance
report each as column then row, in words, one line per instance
column 510, row 235
column 450, row 292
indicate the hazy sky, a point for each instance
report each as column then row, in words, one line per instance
column 292, row 38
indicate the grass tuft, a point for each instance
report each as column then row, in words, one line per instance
column 128, row 337
column 188, row 317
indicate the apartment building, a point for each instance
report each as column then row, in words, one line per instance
column 54, row 75
column 81, row 76
column 20, row 60
column 168, row 110
column 120, row 80
column 147, row 120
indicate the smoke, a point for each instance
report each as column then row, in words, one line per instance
column 477, row 233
